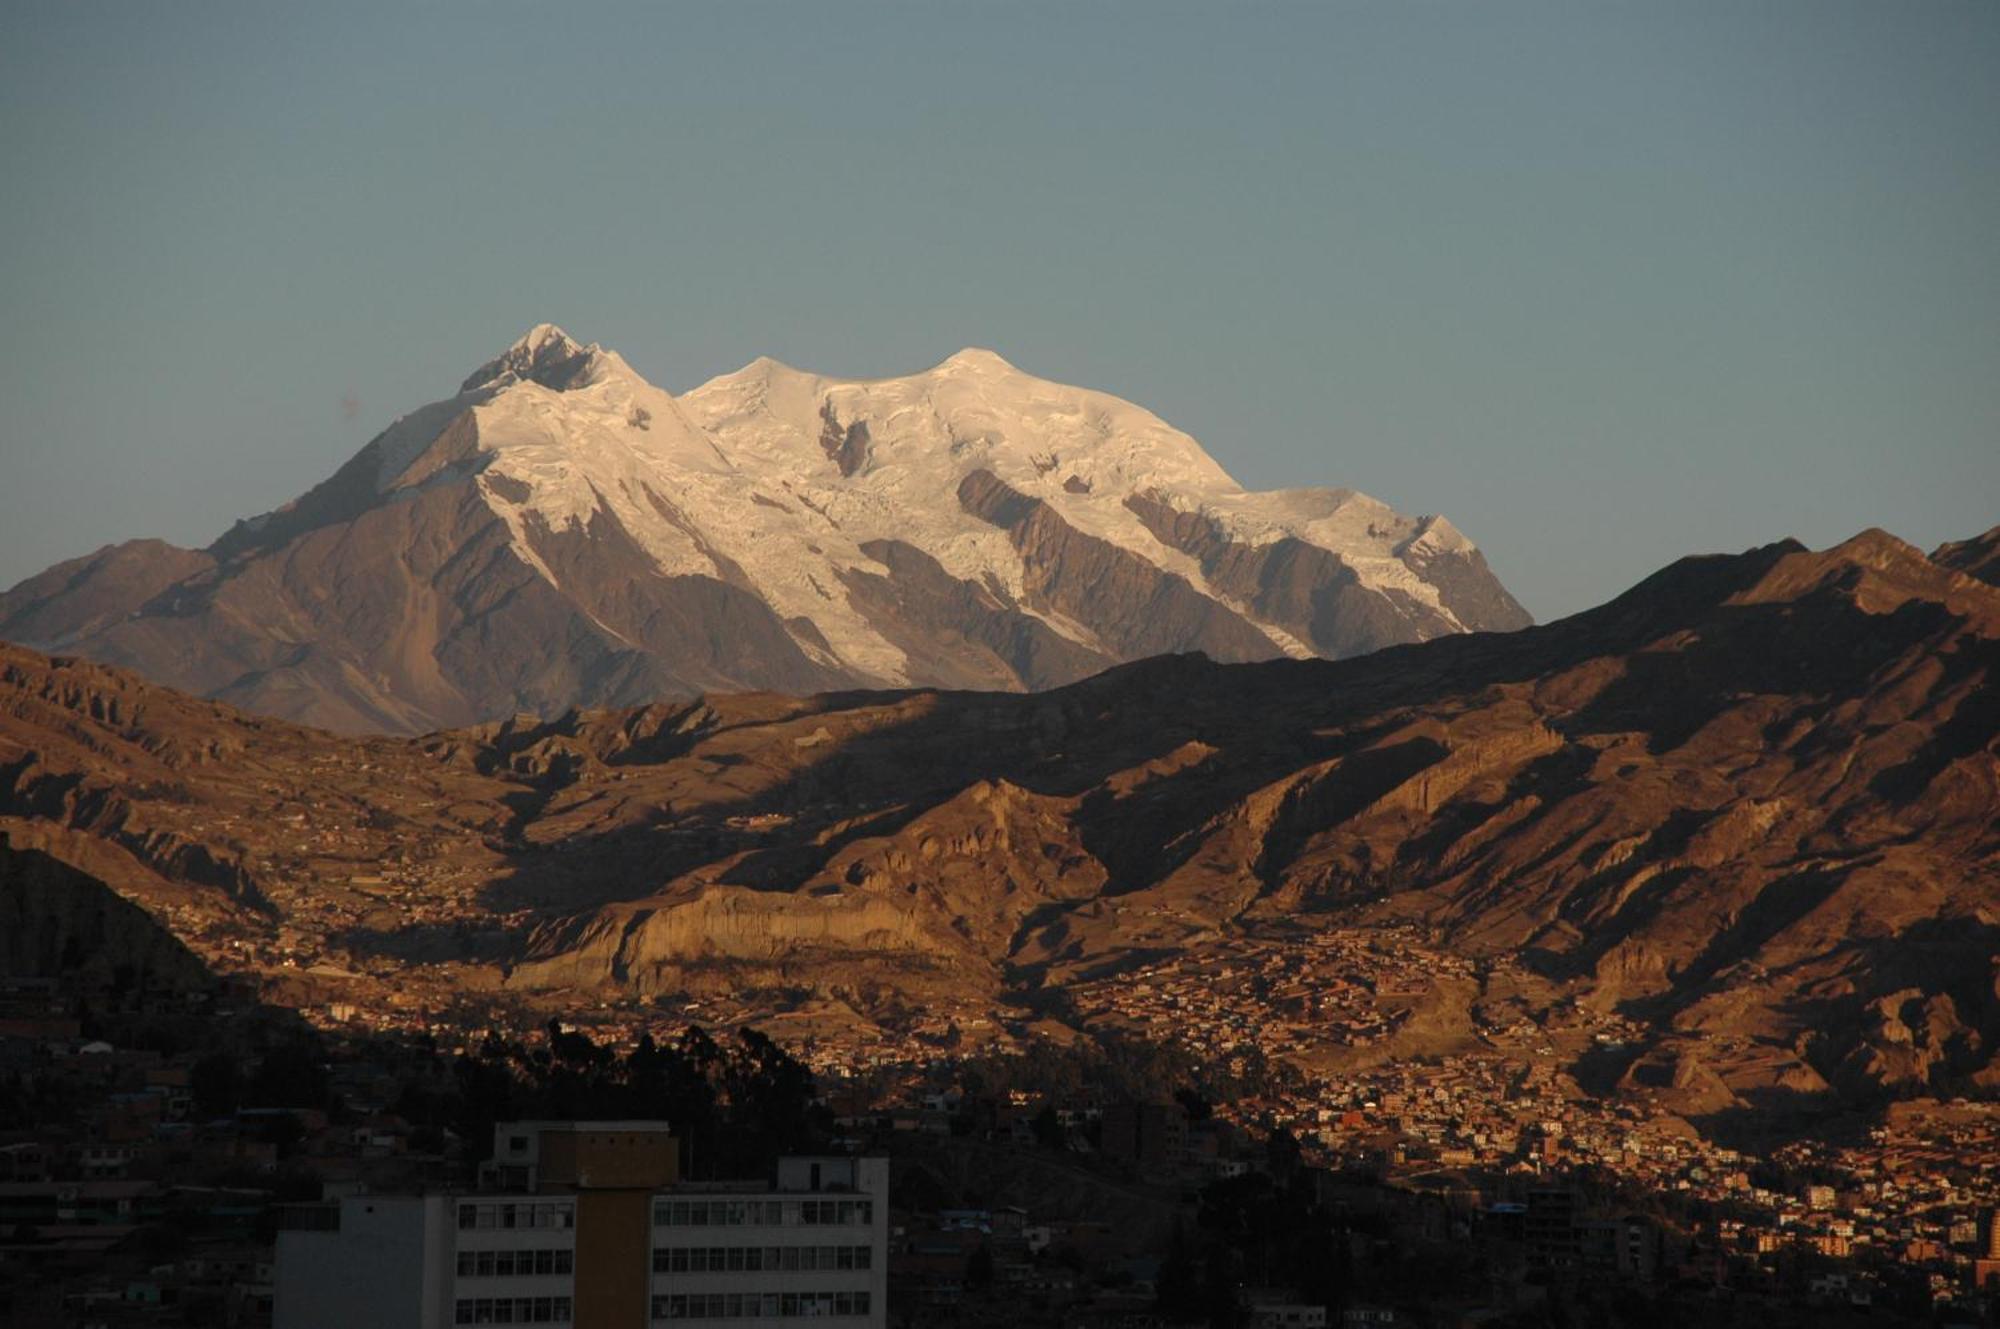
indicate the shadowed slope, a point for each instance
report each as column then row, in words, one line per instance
column 1751, row 804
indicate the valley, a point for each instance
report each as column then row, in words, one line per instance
column 1666, row 848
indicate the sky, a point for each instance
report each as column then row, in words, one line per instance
column 1606, row 284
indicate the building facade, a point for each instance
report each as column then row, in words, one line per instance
column 814, row 1246
column 587, row 1224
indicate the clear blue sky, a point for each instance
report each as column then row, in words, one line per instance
column 1605, row 283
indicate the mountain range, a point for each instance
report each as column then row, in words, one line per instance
column 559, row 533
column 1751, row 807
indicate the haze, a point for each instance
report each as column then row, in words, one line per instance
column 1605, row 286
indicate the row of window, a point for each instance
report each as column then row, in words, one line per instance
column 759, row 1305
column 758, row 1259
column 514, row 1264
column 761, row 1213
column 512, row 1310
column 506, row 1215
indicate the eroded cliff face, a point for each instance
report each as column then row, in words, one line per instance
column 1751, row 806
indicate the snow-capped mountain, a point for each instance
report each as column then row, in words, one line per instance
column 561, row 532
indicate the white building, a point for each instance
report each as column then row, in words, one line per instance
column 592, row 1229
column 814, row 1246
column 427, row 1261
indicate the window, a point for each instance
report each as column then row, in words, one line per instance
column 512, row 1215
column 515, row 1264
column 758, row 1259
column 512, row 1310
column 751, row 1305
column 727, row 1213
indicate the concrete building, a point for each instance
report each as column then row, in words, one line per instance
column 1986, row 1268
column 1550, row 1229
column 588, row 1224
column 1151, row 1136
column 1628, row 1246
column 813, row 1246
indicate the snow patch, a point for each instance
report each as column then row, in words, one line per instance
column 569, row 430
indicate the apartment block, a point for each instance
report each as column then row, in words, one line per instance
column 588, row 1224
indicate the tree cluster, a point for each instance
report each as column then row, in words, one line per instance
column 735, row 1104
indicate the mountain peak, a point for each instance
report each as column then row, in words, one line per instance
column 544, row 354
column 561, row 532
column 766, row 368
column 978, row 360
column 1978, row 557
column 545, row 335
column 1875, row 570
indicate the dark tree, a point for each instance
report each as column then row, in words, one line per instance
column 1048, row 1128
column 979, row 1267
column 216, row 1083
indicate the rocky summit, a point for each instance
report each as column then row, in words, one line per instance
column 562, row 533
column 1740, row 821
